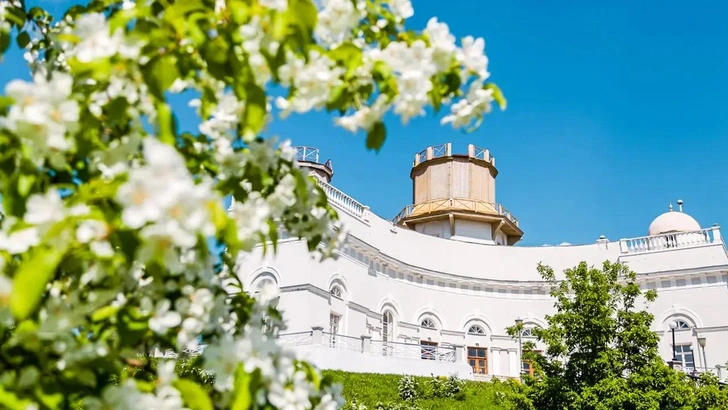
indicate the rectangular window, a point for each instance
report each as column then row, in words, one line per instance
column 334, row 320
column 684, row 354
column 478, row 359
column 527, row 366
column 428, row 349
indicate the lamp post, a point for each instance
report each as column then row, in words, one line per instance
column 701, row 342
column 519, row 326
column 673, row 326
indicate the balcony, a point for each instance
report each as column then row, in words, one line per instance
column 455, row 204
column 363, row 355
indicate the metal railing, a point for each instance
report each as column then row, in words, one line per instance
column 412, row 351
column 481, row 153
column 295, row 339
column 307, row 154
column 365, row 345
column 343, row 342
column 449, row 204
column 670, row 241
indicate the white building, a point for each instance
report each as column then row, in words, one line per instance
column 443, row 280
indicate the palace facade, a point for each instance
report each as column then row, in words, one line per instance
column 433, row 290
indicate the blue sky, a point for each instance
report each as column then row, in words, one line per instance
column 615, row 110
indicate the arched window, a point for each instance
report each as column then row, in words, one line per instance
column 681, row 324
column 337, row 292
column 527, row 332
column 263, row 280
column 476, row 330
column 388, row 326
column 263, row 283
column 428, row 323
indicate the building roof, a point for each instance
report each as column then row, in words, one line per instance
column 673, row 222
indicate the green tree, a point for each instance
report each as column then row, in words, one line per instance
column 600, row 352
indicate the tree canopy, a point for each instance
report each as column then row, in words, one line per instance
column 600, row 351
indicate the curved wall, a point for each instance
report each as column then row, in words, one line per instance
column 457, row 285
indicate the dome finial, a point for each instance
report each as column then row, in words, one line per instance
column 670, row 207
column 679, row 204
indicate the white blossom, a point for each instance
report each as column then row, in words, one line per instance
column 164, row 318
column 43, row 115
column 477, row 103
column 44, row 208
column 19, row 241
column 280, row 5
column 402, row 9
column 313, row 81
column 337, row 18
column 472, row 56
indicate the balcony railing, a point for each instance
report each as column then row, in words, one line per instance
column 413, row 351
column 295, row 339
column 670, row 241
column 455, row 204
column 343, row 342
column 365, row 345
column 344, row 202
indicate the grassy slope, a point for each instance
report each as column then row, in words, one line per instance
column 372, row 388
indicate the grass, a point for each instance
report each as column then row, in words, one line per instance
column 370, row 389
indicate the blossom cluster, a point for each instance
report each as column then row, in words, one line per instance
column 113, row 237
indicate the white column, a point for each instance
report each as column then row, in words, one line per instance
column 505, row 363
column 513, row 361
column 494, row 360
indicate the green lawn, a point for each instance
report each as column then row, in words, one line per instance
column 370, row 389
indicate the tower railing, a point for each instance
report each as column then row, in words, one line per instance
column 307, row 154
column 445, row 150
column 455, row 204
column 670, row 241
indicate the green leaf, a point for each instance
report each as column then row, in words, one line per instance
column 23, row 39
column 376, row 136
column 165, row 120
column 273, row 234
column 10, row 401
column 497, row 95
column 132, row 326
column 255, row 111
column 193, row 395
column 160, row 73
column 303, row 14
column 29, row 283
column 104, row 313
column 243, row 399
column 4, row 41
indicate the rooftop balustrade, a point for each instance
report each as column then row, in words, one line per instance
column 671, row 241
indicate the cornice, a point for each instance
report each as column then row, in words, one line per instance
column 539, row 287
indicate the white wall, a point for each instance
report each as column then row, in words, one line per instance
column 338, row 359
column 459, row 284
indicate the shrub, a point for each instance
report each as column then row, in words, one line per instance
column 408, row 388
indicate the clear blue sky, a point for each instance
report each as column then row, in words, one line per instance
column 615, row 110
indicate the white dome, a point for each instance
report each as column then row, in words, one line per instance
column 673, row 222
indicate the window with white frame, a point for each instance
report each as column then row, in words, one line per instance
column 684, row 354
column 428, row 323
column 527, row 332
column 476, row 330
